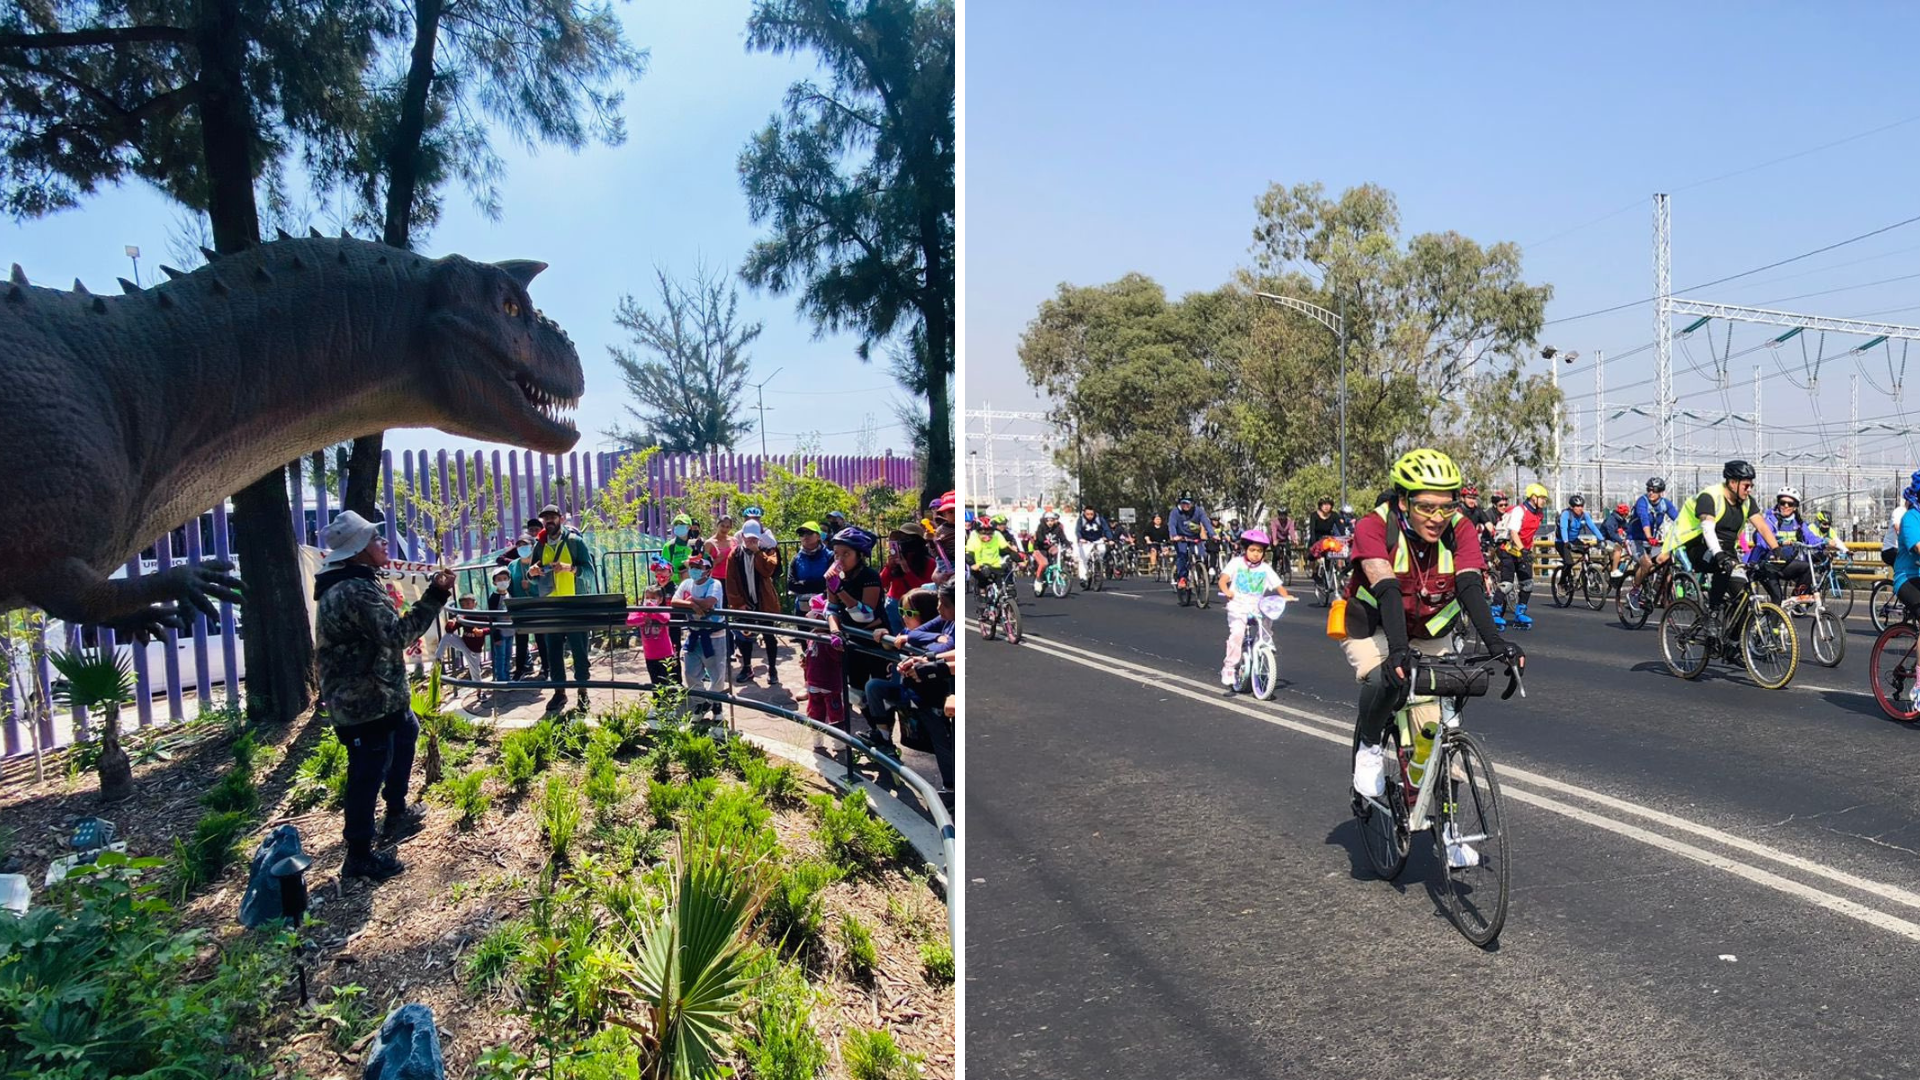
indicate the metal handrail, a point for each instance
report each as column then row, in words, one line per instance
column 928, row 793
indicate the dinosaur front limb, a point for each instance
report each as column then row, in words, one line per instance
column 76, row 593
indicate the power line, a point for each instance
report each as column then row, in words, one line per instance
column 1735, row 277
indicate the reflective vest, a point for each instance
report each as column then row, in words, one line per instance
column 1688, row 525
column 1437, row 616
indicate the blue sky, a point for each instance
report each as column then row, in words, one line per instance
column 1114, row 137
column 603, row 219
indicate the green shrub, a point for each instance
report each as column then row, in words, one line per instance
column 234, row 792
column 796, row 908
column 739, row 753
column 873, row 1055
column 344, row 1015
column 466, row 793
column 668, row 800
column 215, row 844
column 853, row 837
column 734, row 818
column 494, row 958
column 936, row 960
column 244, row 752
column 559, row 814
column 322, row 777
column 103, row 983
column 697, row 755
column 782, row 1044
column 779, row 785
column 517, row 763
column 603, row 780
column 626, row 725
column 632, row 846
column 862, row 955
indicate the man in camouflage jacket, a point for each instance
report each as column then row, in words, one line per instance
column 360, row 644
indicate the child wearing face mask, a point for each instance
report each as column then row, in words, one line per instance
column 501, row 636
column 686, row 541
column 704, row 666
column 656, row 642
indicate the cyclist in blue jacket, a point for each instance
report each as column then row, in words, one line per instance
column 1574, row 525
column 1651, row 513
column 1186, row 511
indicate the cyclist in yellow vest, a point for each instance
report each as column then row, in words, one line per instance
column 1708, row 529
column 562, row 563
column 1420, row 568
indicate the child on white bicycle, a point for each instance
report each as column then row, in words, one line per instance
column 1247, row 579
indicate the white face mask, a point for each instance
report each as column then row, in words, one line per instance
column 499, row 586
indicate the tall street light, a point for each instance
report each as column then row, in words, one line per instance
column 1336, row 322
column 1548, row 354
column 134, row 254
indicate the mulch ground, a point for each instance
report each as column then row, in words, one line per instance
column 404, row 940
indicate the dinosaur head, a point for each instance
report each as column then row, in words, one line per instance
column 504, row 371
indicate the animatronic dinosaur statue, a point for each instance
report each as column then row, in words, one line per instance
column 125, row 416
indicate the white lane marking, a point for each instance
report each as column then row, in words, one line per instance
column 1893, row 893
column 1509, row 775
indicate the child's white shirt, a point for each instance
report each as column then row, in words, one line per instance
column 1250, row 582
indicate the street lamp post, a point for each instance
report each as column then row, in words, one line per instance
column 1336, row 322
column 134, row 254
column 1553, row 369
column 973, row 476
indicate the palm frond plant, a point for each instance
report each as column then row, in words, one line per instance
column 426, row 707
column 696, row 962
column 100, row 682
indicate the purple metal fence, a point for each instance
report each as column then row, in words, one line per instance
column 515, row 495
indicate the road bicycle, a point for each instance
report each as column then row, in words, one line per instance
column 1439, row 778
column 1580, row 574
column 1883, row 607
column 1000, row 609
column 1827, row 633
column 1259, row 668
column 1891, row 667
column 1330, row 568
column 1665, row 583
column 1690, row 635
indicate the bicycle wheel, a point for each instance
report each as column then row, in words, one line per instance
column 1896, row 652
column 1010, row 619
column 1475, row 896
column 1631, row 606
column 1827, row 637
column 1593, row 586
column 1265, row 676
column 1384, row 834
column 1563, row 584
column 1683, row 585
column 1882, row 606
column 989, row 620
column 1770, row 646
column 1323, row 583
column 1683, row 642
column 1839, row 594
column 1203, row 583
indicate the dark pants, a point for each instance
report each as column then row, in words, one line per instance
column 522, row 649
column 883, row 697
column 663, row 672
column 1378, row 702
column 743, row 644
column 379, row 756
column 1519, row 570
column 550, row 658
column 886, row 696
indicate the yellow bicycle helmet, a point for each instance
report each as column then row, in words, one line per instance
column 1537, row 491
column 1426, row 470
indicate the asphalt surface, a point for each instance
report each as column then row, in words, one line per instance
column 1709, row 879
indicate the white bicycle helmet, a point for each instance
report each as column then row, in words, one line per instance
column 1788, row 492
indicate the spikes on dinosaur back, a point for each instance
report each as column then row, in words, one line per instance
column 128, row 287
column 212, row 256
column 344, row 234
column 219, row 287
column 80, row 287
column 19, row 275
column 100, row 304
column 316, row 233
column 171, row 272
column 342, row 257
column 282, row 234
column 260, row 275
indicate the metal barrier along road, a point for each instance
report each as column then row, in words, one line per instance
column 595, row 614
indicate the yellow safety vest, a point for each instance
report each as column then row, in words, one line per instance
column 1403, row 563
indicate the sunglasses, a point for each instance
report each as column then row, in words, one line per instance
column 1790, row 504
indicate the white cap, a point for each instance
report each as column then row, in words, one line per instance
column 755, row 529
column 347, row 536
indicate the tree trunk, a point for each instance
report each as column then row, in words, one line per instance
column 116, row 769
column 935, row 314
column 279, row 642
column 403, row 178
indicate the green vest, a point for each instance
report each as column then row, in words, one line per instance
column 1688, row 525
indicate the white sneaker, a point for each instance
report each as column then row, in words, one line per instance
column 1370, row 771
column 1459, row 856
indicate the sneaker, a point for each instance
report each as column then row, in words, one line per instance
column 373, row 865
column 1618, row 574
column 558, row 702
column 1370, row 771
column 402, row 823
column 1229, row 689
column 1460, row 855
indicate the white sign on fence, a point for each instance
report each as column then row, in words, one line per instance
column 1128, row 514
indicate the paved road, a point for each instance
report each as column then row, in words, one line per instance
column 1709, row 879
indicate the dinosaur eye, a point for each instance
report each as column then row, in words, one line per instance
column 511, row 307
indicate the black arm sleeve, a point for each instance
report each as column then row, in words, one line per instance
column 1471, row 589
column 1393, row 612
